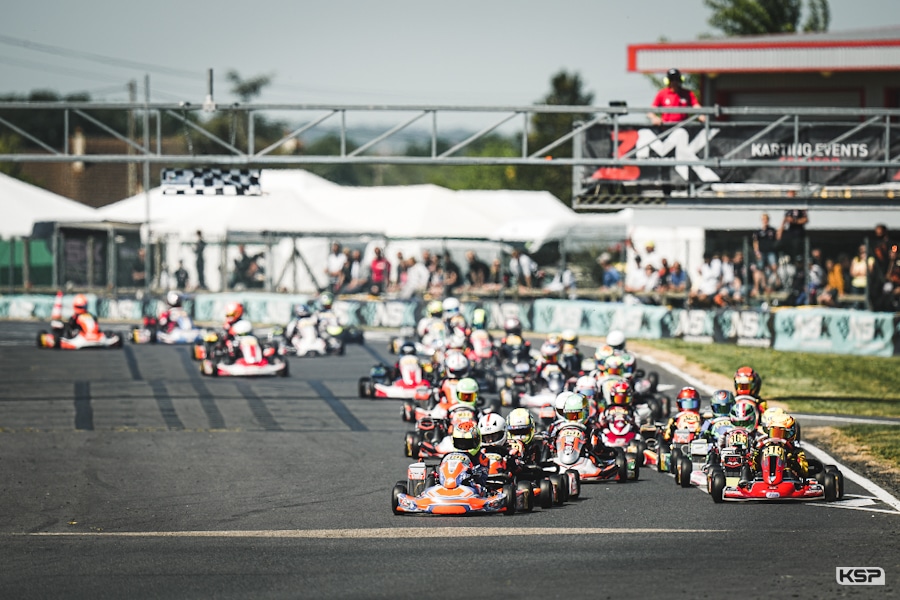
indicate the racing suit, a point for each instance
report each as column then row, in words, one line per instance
column 168, row 320
column 686, row 419
column 232, row 351
column 84, row 324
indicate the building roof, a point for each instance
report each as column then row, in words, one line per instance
column 858, row 50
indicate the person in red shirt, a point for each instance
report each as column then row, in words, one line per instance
column 673, row 95
column 380, row 273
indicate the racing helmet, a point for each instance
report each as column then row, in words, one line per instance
column 688, row 399
column 242, row 328
column 79, row 304
column 765, row 419
column 554, row 338
column 520, row 425
column 559, row 404
column 586, row 386
column 173, row 299
column 512, row 326
column 434, row 308
column 744, row 414
column 747, row 382
column 574, row 408
column 602, row 352
column 408, row 348
column 721, row 403
column 782, row 427
column 458, row 321
column 466, row 438
column 302, row 311
column 614, row 365
column 450, row 307
column 629, row 365
column 493, row 429
column 569, row 336
column 615, row 339
column 457, row 364
column 550, row 351
column 467, row 391
column 326, row 300
column 479, row 318
column 620, row 394
column 233, row 312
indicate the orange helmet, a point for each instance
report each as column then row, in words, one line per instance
column 747, row 382
column 79, row 305
column 233, row 312
column 620, row 393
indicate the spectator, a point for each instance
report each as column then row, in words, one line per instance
column 334, row 267
column 346, row 275
column 479, row 272
column 793, row 231
column 380, row 273
column 563, row 281
column 678, row 279
column 139, row 269
column 357, row 281
column 672, row 96
column 834, row 284
column 417, row 277
column 522, row 269
column 497, row 279
column 881, row 250
column 452, row 275
column 199, row 248
column 859, row 271
column 398, row 276
column 649, row 255
column 181, row 276
column 636, row 279
column 610, row 277
column 708, row 285
column 765, row 240
column 247, row 272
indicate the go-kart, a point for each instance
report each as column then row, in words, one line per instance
column 550, row 485
column 665, row 454
column 449, row 489
column 406, row 384
column 251, row 358
column 570, row 452
column 431, row 437
column 776, row 482
column 515, row 380
column 184, row 332
column 620, row 431
column 80, row 341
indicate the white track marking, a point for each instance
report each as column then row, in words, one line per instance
column 386, row 533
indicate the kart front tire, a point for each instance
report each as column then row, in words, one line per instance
column 831, row 489
column 717, row 486
column 545, row 498
column 510, row 491
column 400, row 488
column 621, row 466
column 574, row 477
column 363, row 387
column 524, row 488
column 685, row 466
column 839, row 479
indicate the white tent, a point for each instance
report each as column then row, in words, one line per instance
column 24, row 204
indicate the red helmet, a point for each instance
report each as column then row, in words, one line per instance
column 620, row 393
column 688, row 399
column 747, row 382
column 79, row 304
column 233, row 312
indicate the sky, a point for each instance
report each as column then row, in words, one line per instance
column 390, row 52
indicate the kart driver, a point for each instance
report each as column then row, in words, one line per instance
column 688, row 416
column 82, row 322
column 234, row 313
column 169, row 318
column 467, row 438
column 782, row 429
column 522, row 440
column 747, row 382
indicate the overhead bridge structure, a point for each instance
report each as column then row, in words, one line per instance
column 717, row 157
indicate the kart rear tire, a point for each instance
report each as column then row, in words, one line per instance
column 839, row 479
column 400, row 488
column 717, row 486
column 831, row 489
column 661, row 449
column 653, row 378
column 545, row 499
column 621, row 466
column 639, row 458
column 637, row 466
column 674, row 456
column 685, row 466
column 363, row 387
column 559, row 485
column 412, row 443
column 524, row 487
column 510, row 491
column 575, row 476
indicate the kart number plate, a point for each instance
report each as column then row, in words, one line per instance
column 773, row 495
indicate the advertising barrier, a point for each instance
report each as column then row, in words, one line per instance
column 804, row 329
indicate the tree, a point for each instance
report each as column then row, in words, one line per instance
column 247, row 89
column 566, row 90
column 760, row 17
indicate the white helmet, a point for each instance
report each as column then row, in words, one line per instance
column 586, row 386
column 242, row 327
column 451, row 307
column 615, row 339
column 173, row 299
column 493, row 429
column 457, row 364
column 560, row 403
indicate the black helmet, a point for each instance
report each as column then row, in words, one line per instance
column 674, row 75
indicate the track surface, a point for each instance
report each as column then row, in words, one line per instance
column 125, row 474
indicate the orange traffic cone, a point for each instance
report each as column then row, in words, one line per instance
column 56, row 315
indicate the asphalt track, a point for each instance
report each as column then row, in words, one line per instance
column 126, row 474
